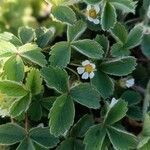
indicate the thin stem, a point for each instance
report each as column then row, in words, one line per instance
column 73, row 64
column 73, row 72
column 26, row 122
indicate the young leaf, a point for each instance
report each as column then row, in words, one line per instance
column 13, row 89
column 81, row 127
column 124, row 5
column 86, row 95
column 42, row 137
column 11, row 133
column 20, row 105
column 61, row 115
column 134, row 37
column 108, row 17
column 64, row 14
column 121, row 139
column 120, row 33
column 60, row 54
column 94, row 138
column 116, row 113
column 26, row 144
column 6, row 49
column 26, row 34
column 71, row 144
column 34, row 81
column 14, row 68
column 89, row 48
column 76, row 30
column 9, row 37
column 120, row 66
column 103, row 84
column 32, row 53
column 55, row 78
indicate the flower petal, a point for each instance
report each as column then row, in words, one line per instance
column 80, row 70
column 113, row 102
column 91, row 75
column 86, row 62
column 90, row 19
column 88, row 7
column 97, row 8
column 96, row 21
column 85, row 75
column 93, row 65
column 130, row 83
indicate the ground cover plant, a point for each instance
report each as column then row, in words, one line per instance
column 74, row 75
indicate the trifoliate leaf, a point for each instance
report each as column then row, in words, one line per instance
column 11, row 133
column 119, row 66
column 89, row 48
column 55, row 78
column 60, row 54
column 61, row 115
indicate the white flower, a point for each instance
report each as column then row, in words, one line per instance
column 146, row 30
column 113, row 102
column 92, row 13
column 148, row 12
column 87, row 69
column 130, row 82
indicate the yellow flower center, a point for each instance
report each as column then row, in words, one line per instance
column 93, row 13
column 89, row 68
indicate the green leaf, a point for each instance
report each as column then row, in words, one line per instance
column 146, row 126
column 64, row 14
column 145, row 45
column 62, row 2
column 86, row 95
column 103, row 84
column 11, row 133
column 89, row 48
column 34, row 81
column 32, row 53
column 9, row 37
column 81, row 127
column 121, row 140
column 119, row 66
column 92, row 1
column 13, row 89
column 103, row 41
column 14, row 68
column 108, row 17
column 120, row 33
column 44, row 39
column 132, row 97
column 71, row 144
column 144, row 144
column 6, row 49
column 61, row 115
column 134, row 37
column 42, row 137
column 20, row 105
column 60, row 54
column 116, row 113
column 76, row 30
column 94, row 138
column 26, row 144
column 26, row 34
column 125, row 5
column 55, row 78
column 118, row 50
